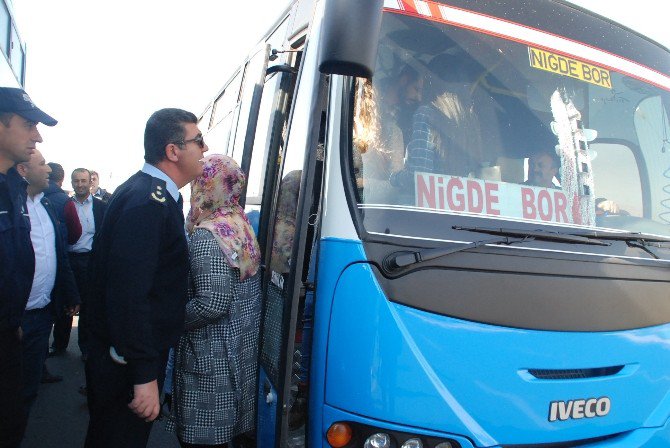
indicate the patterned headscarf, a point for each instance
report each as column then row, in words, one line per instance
column 215, row 196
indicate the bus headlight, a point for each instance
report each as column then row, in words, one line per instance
column 379, row 440
column 339, row 435
column 412, row 443
column 445, row 445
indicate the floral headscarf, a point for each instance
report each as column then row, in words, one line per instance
column 215, row 196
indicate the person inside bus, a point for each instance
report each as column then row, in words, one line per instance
column 399, row 96
column 378, row 138
column 371, row 161
column 446, row 133
column 543, row 169
column 216, row 357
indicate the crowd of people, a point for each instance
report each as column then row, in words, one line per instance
column 146, row 283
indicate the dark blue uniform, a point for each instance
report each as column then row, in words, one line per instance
column 16, row 251
column 140, row 277
column 17, row 267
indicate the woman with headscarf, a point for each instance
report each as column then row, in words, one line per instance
column 216, row 358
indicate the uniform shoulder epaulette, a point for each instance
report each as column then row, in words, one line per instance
column 158, row 190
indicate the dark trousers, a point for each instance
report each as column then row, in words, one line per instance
column 63, row 326
column 12, row 414
column 36, row 325
column 112, row 424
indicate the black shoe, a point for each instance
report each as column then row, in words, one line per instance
column 48, row 378
column 55, row 352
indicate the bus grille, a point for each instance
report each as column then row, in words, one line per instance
column 570, row 444
column 573, row 374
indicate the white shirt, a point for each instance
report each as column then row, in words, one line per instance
column 85, row 213
column 169, row 183
column 43, row 237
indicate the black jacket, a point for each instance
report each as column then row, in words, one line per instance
column 58, row 197
column 65, row 293
column 17, row 259
column 99, row 210
column 140, row 276
column 103, row 195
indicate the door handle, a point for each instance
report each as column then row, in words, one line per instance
column 270, row 396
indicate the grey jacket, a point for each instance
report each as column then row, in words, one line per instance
column 216, row 358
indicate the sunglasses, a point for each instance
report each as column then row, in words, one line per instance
column 198, row 140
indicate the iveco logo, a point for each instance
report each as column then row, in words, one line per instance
column 576, row 409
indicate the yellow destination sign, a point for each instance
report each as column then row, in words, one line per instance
column 556, row 63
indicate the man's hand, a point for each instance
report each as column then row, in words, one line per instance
column 19, row 333
column 71, row 310
column 607, row 206
column 145, row 403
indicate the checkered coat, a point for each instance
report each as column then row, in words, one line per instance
column 216, row 359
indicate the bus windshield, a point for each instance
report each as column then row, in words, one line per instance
column 508, row 123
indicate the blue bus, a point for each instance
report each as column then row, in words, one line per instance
column 464, row 213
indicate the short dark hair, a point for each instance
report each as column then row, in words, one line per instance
column 94, row 173
column 408, row 72
column 81, row 170
column 164, row 127
column 57, row 173
column 555, row 159
column 6, row 117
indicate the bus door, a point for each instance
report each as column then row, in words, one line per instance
column 279, row 199
column 294, row 172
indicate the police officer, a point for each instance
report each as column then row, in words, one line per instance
column 140, row 274
column 18, row 139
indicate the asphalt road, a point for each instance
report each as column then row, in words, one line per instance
column 59, row 416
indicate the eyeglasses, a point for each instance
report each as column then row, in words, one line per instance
column 198, row 140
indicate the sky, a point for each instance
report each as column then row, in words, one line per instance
column 102, row 68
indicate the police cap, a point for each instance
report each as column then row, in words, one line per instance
column 17, row 101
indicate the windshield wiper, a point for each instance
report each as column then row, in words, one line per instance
column 633, row 239
column 540, row 235
column 623, row 236
column 400, row 260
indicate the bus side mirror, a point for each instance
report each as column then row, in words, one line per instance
column 349, row 37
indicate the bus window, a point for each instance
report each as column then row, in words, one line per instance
column 653, row 127
column 447, row 130
column 219, row 136
column 252, row 84
column 618, row 180
column 224, row 113
column 4, row 28
column 264, row 134
column 228, row 100
column 205, row 120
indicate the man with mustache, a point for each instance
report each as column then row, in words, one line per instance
column 140, row 275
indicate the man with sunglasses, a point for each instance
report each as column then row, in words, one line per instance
column 140, row 275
